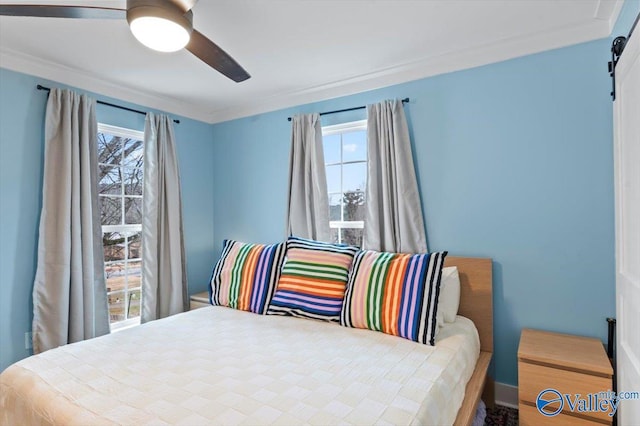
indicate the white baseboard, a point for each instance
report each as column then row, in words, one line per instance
column 506, row 395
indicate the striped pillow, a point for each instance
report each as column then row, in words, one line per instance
column 246, row 275
column 394, row 293
column 313, row 280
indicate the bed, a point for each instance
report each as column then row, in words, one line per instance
column 217, row 365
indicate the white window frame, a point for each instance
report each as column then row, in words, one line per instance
column 123, row 229
column 339, row 129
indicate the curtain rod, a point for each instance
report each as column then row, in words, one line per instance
column 40, row 87
column 404, row 101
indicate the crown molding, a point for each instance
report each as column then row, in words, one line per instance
column 28, row 64
column 426, row 67
column 608, row 10
column 599, row 27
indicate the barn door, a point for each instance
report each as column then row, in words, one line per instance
column 627, row 190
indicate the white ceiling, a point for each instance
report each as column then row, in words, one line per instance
column 297, row 51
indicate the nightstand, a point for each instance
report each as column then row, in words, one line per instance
column 199, row 300
column 565, row 364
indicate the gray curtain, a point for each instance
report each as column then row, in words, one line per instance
column 393, row 216
column 69, row 293
column 308, row 203
column 164, row 276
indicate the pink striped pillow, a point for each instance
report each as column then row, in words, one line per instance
column 246, row 275
column 394, row 293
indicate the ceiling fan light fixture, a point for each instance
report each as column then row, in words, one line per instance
column 159, row 33
column 159, row 28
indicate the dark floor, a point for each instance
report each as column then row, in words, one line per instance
column 501, row 416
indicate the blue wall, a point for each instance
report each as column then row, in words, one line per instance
column 514, row 162
column 628, row 14
column 22, row 110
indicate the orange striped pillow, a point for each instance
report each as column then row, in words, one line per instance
column 313, row 280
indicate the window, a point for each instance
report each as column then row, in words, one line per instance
column 120, row 163
column 345, row 155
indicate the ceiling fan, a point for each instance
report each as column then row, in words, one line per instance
column 163, row 25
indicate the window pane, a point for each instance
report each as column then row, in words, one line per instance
column 134, row 274
column 354, row 177
column 354, row 146
column 109, row 149
column 352, row 236
column 353, row 206
column 133, row 153
column 114, row 245
column 134, row 281
column 133, row 181
column 335, row 210
column 110, row 210
column 334, row 235
column 109, row 181
column 133, row 210
column 116, row 306
column 115, row 274
column 134, row 245
column 331, row 146
column 134, row 304
column 333, row 179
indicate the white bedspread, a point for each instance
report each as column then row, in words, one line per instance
column 215, row 365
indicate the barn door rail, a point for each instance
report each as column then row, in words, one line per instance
column 617, row 47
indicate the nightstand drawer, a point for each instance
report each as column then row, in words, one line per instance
column 529, row 416
column 533, row 379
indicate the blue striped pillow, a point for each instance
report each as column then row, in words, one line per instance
column 313, row 280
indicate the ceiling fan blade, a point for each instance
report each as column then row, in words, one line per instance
column 185, row 5
column 50, row 11
column 211, row 54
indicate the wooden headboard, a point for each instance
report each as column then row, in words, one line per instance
column 476, row 295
